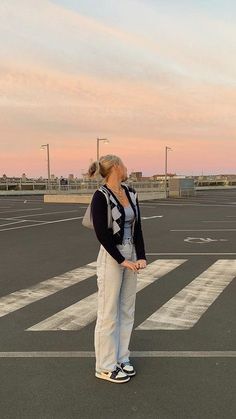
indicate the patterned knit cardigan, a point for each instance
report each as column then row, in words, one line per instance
column 109, row 236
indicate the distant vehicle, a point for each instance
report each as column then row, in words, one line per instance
column 63, row 181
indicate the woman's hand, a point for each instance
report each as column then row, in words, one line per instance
column 141, row 263
column 130, row 265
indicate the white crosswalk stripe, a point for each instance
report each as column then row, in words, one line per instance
column 83, row 312
column 23, row 297
column 185, row 309
column 181, row 312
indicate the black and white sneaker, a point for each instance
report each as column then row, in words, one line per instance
column 116, row 376
column 127, row 368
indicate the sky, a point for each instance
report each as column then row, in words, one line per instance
column 144, row 74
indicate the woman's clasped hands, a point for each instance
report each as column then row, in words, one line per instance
column 134, row 266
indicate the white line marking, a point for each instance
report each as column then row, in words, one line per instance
column 151, row 217
column 44, row 213
column 148, row 206
column 219, row 221
column 25, row 209
column 33, row 221
column 184, row 354
column 41, row 223
column 83, row 312
column 134, row 354
column 188, row 254
column 20, row 221
column 185, row 309
column 198, row 205
column 25, row 296
column 35, row 201
column 9, row 224
column 210, row 229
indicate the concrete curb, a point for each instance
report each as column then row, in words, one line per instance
column 86, row 199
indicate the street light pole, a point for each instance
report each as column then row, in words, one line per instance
column 98, row 149
column 105, row 140
column 166, row 151
column 43, row 146
column 49, row 174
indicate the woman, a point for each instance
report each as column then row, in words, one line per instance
column 121, row 255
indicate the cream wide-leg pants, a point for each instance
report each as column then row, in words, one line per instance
column 116, row 308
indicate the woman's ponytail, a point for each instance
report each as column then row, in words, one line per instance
column 104, row 166
column 94, row 169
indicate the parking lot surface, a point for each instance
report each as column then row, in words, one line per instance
column 183, row 343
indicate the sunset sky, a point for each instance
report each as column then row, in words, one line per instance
column 142, row 73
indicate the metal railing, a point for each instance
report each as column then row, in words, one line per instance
column 71, row 186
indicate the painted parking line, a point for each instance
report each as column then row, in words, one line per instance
column 20, row 210
column 16, row 220
column 207, row 229
column 148, row 206
column 12, row 223
column 133, row 354
column 80, row 314
column 197, row 205
column 45, row 213
column 25, row 296
column 152, row 217
column 219, row 221
column 191, row 254
column 185, row 309
column 41, row 223
column 20, row 199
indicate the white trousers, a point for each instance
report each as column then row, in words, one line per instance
column 116, row 308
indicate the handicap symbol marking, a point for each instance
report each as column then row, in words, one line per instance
column 203, row 240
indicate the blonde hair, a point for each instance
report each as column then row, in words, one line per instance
column 104, row 166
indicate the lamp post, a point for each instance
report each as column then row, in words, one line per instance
column 105, row 140
column 166, row 151
column 43, row 146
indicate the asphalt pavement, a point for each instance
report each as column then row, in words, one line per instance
column 183, row 343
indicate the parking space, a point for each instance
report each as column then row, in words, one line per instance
column 25, row 213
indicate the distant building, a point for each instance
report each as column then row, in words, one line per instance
column 162, row 177
column 217, row 180
column 135, row 176
column 145, row 178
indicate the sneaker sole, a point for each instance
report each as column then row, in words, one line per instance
column 104, row 377
column 130, row 374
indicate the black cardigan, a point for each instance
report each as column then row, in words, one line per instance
column 105, row 235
